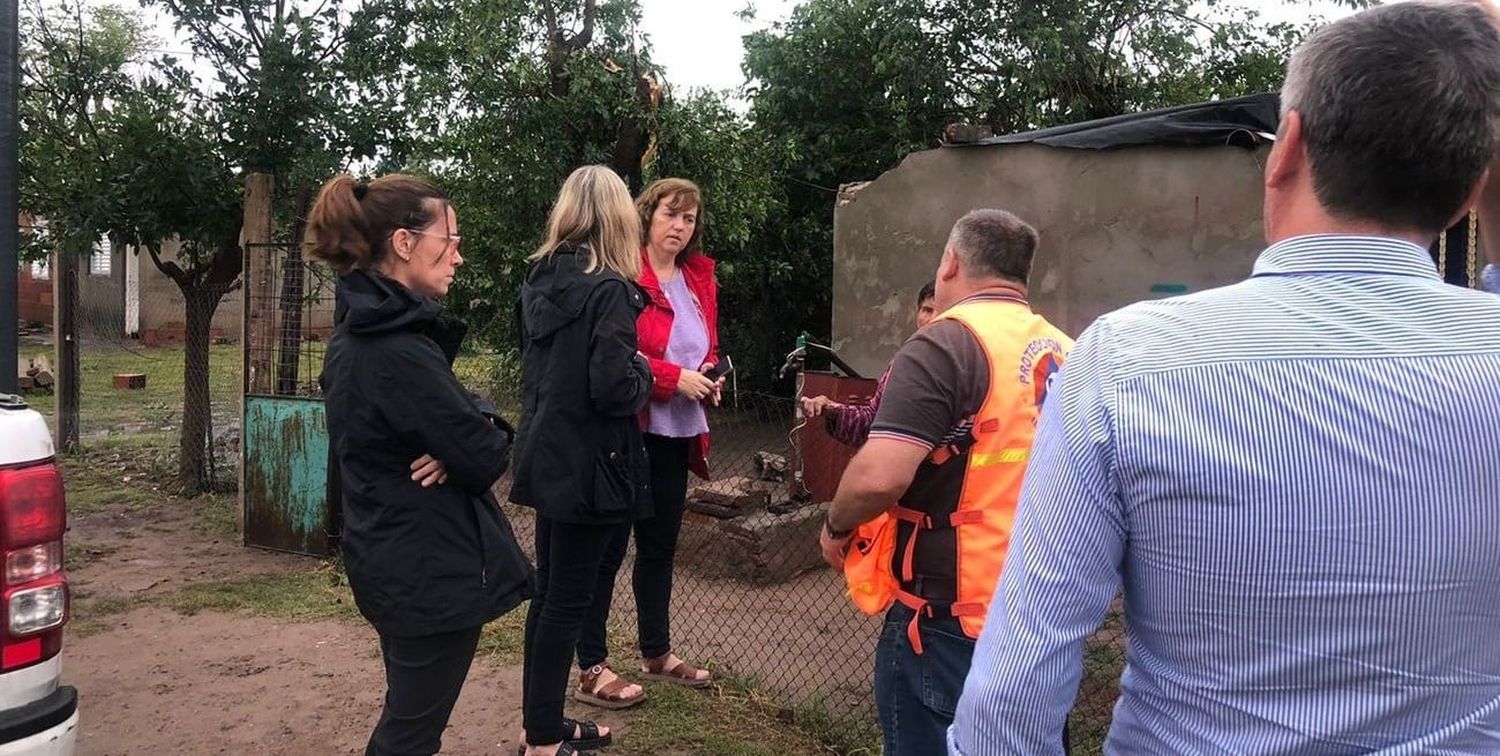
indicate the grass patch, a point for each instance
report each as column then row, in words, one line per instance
column 157, row 407
column 322, row 594
column 847, row 734
column 289, row 595
column 80, row 554
column 91, row 616
column 129, row 473
column 504, row 640
column 675, row 719
column 217, row 515
column 732, row 716
column 99, row 481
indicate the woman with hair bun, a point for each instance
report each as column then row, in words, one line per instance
column 429, row 555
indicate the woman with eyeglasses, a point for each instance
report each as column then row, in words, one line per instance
column 429, row 555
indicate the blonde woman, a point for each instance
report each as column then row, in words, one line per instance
column 679, row 335
column 579, row 457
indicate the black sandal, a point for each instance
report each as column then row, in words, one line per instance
column 588, row 734
column 588, row 737
column 566, row 749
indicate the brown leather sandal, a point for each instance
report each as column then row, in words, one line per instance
column 610, row 695
column 680, row 673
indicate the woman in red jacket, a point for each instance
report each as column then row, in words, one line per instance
column 678, row 334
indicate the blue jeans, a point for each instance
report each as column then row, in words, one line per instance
column 916, row 694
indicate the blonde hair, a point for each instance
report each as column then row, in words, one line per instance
column 594, row 211
column 679, row 194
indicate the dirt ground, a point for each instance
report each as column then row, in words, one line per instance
column 156, row 682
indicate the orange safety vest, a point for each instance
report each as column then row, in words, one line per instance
column 1024, row 353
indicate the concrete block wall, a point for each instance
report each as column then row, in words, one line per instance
column 1117, row 226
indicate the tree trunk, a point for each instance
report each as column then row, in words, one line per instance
column 631, row 136
column 195, row 445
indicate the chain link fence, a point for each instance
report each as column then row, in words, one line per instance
column 135, row 392
column 752, row 598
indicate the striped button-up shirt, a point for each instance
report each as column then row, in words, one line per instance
column 1295, row 481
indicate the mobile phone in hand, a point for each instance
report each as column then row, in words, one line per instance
column 723, row 367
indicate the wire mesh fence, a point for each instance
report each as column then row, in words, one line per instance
column 290, row 311
column 144, row 385
column 753, row 599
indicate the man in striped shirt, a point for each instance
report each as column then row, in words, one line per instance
column 1294, row 479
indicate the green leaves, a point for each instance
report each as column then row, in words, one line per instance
column 501, row 99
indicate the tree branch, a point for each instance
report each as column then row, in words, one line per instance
column 1189, row 19
column 169, row 268
column 204, row 37
column 585, row 35
column 257, row 37
column 549, row 15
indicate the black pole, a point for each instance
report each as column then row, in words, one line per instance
column 10, row 209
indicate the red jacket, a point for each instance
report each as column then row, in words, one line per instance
column 654, row 326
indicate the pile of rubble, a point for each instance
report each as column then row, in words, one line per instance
column 35, row 377
column 751, row 528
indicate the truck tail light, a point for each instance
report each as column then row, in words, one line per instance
column 33, row 517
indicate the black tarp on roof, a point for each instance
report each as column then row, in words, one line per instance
column 1242, row 122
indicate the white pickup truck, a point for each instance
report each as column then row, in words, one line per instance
column 38, row 715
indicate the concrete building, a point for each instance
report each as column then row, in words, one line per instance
column 1128, row 208
column 123, row 295
column 1134, row 207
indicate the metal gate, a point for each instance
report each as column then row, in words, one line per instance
column 288, row 310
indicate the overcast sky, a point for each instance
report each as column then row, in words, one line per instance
column 698, row 41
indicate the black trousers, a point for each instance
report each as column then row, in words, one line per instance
column 567, row 568
column 655, row 550
column 423, row 677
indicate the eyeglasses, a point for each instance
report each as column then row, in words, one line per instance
column 453, row 240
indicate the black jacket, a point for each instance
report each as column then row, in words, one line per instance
column 421, row 561
column 579, row 456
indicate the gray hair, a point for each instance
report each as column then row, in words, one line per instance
column 994, row 243
column 1400, row 108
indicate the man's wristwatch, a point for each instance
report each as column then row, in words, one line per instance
column 834, row 534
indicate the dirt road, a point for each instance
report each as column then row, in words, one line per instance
column 152, row 681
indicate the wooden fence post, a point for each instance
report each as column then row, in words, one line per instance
column 65, row 347
column 260, row 284
column 258, row 316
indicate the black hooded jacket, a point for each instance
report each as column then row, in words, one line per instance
column 421, row 561
column 579, row 456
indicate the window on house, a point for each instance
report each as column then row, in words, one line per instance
column 40, row 271
column 99, row 262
